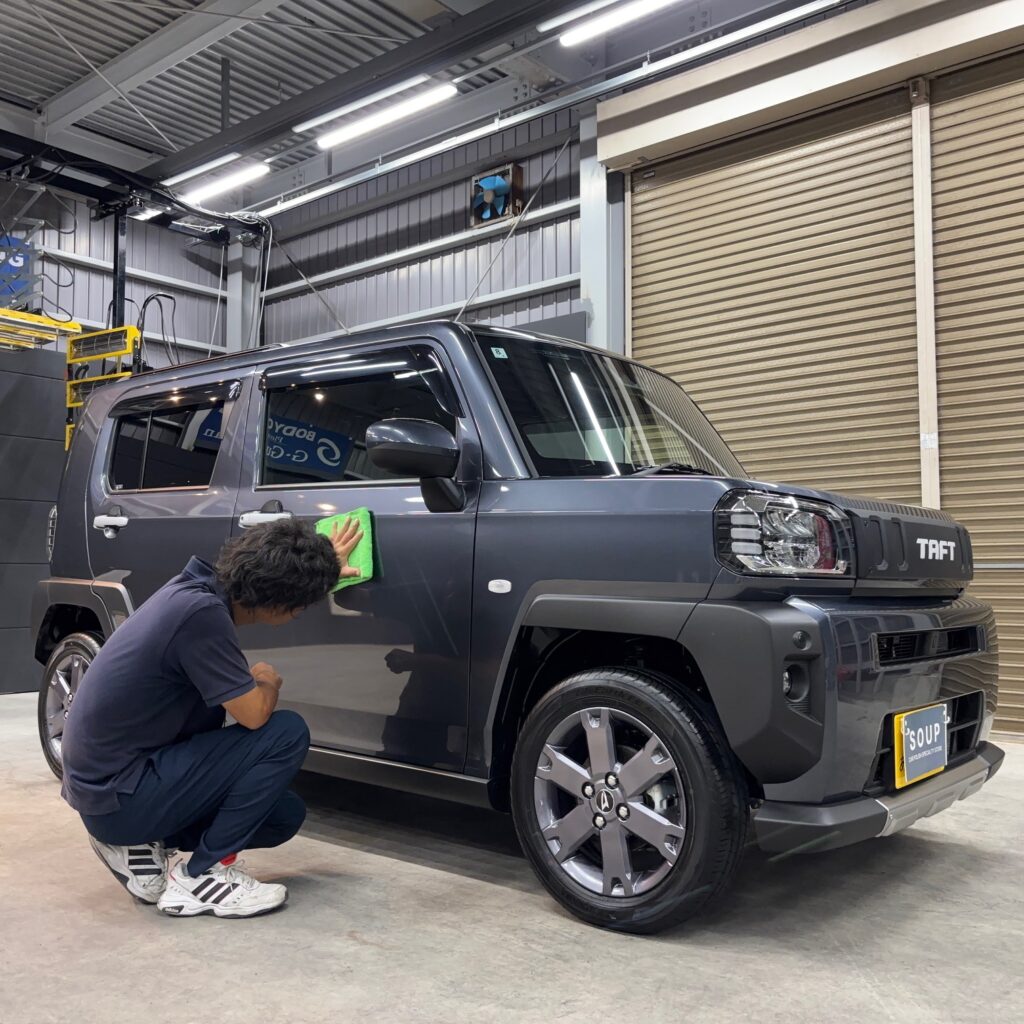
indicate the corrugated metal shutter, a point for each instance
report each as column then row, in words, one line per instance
column 773, row 277
column 978, row 185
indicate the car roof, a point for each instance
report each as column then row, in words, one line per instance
column 437, row 329
column 284, row 349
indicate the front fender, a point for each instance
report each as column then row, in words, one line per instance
column 742, row 650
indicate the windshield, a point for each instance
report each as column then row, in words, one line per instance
column 581, row 413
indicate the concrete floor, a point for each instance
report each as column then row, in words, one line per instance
column 406, row 910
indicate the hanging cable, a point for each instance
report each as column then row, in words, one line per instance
column 309, row 284
column 170, row 343
column 220, row 297
column 261, row 295
column 515, row 224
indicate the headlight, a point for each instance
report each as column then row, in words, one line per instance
column 780, row 535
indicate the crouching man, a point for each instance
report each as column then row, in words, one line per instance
column 147, row 763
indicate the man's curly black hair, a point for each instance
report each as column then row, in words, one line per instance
column 283, row 565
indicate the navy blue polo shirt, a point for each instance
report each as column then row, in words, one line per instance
column 160, row 678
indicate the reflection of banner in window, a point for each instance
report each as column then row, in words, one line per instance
column 306, row 450
column 205, row 430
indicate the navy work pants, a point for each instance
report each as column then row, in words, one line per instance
column 215, row 794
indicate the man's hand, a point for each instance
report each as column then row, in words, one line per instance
column 344, row 538
column 264, row 673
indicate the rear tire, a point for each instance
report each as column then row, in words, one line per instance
column 63, row 672
column 625, row 857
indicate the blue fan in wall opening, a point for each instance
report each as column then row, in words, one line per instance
column 497, row 194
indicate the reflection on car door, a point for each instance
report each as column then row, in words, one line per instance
column 381, row 668
column 163, row 490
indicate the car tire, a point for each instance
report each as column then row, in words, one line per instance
column 663, row 853
column 63, row 672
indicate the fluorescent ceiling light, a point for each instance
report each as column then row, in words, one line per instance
column 580, row 12
column 146, row 214
column 227, row 183
column 628, row 78
column 201, row 169
column 389, row 115
column 359, row 104
column 613, row 19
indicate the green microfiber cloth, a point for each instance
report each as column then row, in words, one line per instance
column 362, row 557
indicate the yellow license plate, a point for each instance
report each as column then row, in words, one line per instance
column 921, row 744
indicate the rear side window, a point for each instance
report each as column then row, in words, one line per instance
column 317, row 416
column 167, row 446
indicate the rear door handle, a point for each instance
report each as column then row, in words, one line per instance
column 110, row 522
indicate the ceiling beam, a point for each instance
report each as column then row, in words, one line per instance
column 435, row 51
column 170, row 45
column 25, row 123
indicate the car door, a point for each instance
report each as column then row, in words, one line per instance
column 380, row 668
column 164, row 488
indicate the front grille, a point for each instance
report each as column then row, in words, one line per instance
column 929, row 645
column 965, row 714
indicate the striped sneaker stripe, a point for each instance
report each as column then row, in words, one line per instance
column 203, row 886
column 229, row 888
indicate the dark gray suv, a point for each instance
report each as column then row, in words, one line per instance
column 583, row 613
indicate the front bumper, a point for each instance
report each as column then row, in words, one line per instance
column 829, row 747
column 806, row 828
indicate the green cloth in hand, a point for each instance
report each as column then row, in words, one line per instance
column 362, row 557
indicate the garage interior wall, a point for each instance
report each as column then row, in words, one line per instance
column 774, row 277
column 75, row 254
column 386, row 219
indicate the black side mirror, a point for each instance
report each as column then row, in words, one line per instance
column 423, row 450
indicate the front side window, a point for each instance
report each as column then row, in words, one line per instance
column 167, row 446
column 581, row 413
column 317, row 416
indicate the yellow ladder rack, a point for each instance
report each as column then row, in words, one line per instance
column 116, row 344
column 29, row 330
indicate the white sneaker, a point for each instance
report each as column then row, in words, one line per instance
column 222, row 891
column 141, row 869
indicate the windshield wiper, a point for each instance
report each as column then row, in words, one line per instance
column 669, row 467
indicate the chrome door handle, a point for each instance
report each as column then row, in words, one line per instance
column 108, row 522
column 247, row 519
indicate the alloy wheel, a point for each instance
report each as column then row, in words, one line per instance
column 62, row 685
column 610, row 802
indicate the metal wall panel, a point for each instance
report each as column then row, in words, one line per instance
column 978, row 188
column 73, row 291
column 21, row 672
column 31, row 463
column 23, row 526
column 773, row 277
column 537, row 253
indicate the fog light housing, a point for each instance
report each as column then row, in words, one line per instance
column 783, row 535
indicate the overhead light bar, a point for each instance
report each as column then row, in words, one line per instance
column 145, row 214
column 604, row 24
column 332, row 115
column 227, row 183
column 210, row 165
column 580, row 12
column 590, row 92
column 389, row 115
